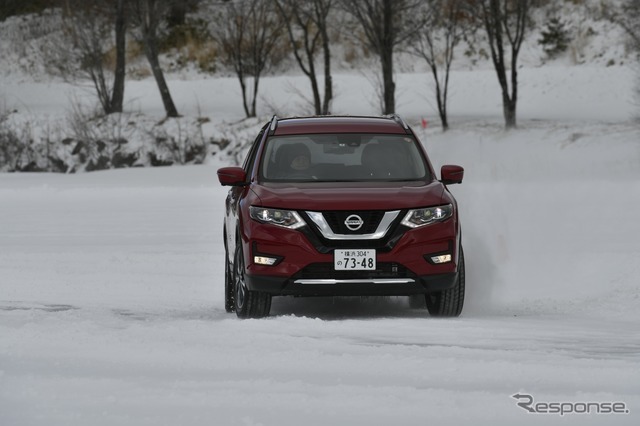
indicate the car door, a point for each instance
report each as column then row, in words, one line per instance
column 237, row 193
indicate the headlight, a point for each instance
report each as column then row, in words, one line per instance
column 420, row 217
column 285, row 218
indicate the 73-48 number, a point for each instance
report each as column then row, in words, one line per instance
column 355, row 260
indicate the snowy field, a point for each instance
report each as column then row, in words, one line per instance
column 111, row 283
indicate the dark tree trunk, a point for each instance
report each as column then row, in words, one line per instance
column 151, row 51
column 328, row 81
column 317, row 103
column 256, row 82
column 509, row 114
column 389, row 85
column 441, row 98
column 386, row 56
column 315, row 90
column 146, row 15
column 510, row 101
column 243, row 88
column 117, row 97
column 177, row 13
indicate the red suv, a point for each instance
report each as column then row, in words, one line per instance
column 341, row 206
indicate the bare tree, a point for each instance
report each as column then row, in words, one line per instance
column 436, row 43
column 505, row 23
column 306, row 24
column 82, row 52
column 627, row 15
column 386, row 24
column 117, row 97
column 631, row 10
column 89, row 31
column 629, row 19
column 148, row 16
column 249, row 32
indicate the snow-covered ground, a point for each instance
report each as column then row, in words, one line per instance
column 111, row 291
column 111, row 283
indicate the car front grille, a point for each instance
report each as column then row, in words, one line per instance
column 364, row 238
column 337, row 219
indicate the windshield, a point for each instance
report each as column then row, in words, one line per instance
column 342, row 158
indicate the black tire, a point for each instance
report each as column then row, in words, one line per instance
column 229, row 302
column 448, row 303
column 248, row 304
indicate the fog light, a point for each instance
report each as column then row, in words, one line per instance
column 443, row 258
column 263, row 260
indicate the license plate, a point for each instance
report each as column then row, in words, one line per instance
column 354, row 260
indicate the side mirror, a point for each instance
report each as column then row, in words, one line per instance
column 232, row 176
column 451, row 174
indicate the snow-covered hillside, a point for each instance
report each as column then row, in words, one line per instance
column 59, row 125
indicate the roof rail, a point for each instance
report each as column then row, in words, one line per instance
column 274, row 124
column 395, row 117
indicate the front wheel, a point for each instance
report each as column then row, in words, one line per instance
column 248, row 304
column 448, row 303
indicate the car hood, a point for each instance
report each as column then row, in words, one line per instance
column 349, row 196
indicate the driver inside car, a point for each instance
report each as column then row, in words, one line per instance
column 293, row 159
column 300, row 162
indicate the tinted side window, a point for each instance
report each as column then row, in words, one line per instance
column 251, row 156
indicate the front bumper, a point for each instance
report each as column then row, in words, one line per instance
column 350, row 287
column 305, row 263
